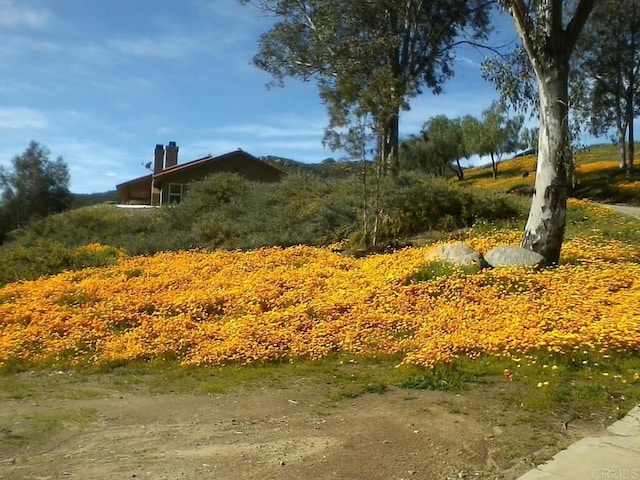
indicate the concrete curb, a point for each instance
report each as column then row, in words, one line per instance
column 615, row 456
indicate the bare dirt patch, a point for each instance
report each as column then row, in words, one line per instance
column 90, row 430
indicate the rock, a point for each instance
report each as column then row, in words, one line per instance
column 512, row 256
column 456, row 253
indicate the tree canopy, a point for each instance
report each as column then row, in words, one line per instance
column 35, row 186
column 369, row 58
column 498, row 134
column 608, row 61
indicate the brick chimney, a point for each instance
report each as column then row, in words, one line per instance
column 158, row 159
column 172, row 155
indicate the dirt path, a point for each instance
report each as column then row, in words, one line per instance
column 290, row 433
column 628, row 210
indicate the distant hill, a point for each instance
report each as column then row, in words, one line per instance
column 328, row 168
column 88, row 199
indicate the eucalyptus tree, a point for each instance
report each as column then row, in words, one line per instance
column 445, row 142
column 369, row 57
column 549, row 31
column 501, row 133
column 416, row 154
column 495, row 135
column 609, row 61
column 529, row 139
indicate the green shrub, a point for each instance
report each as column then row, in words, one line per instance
column 417, row 203
column 93, row 255
column 302, row 209
column 437, row 269
column 47, row 257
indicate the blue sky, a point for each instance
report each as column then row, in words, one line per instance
column 101, row 82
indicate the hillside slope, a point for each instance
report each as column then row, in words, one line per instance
column 598, row 176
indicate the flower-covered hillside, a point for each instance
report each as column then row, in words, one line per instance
column 215, row 308
column 598, row 176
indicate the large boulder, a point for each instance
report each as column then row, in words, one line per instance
column 512, row 256
column 456, row 253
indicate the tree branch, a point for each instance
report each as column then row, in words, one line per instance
column 580, row 17
column 522, row 23
column 476, row 45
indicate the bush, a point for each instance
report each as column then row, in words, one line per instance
column 227, row 212
column 47, row 257
column 417, row 203
column 138, row 232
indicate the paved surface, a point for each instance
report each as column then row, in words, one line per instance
column 612, row 456
column 631, row 212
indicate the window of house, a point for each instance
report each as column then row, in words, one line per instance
column 177, row 192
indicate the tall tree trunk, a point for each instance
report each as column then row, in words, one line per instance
column 621, row 123
column 631, row 100
column 390, row 142
column 631, row 150
column 630, row 121
column 494, row 167
column 544, row 231
column 622, row 147
column 459, row 171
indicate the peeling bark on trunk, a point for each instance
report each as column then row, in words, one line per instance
column 389, row 151
column 622, row 148
column 544, row 231
column 549, row 47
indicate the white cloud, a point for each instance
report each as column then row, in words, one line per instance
column 14, row 16
column 20, row 118
column 167, row 48
column 267, row 131
column 191, row 150
column 20, row 45
column 468, row 62
column 233, row 14
column 291, row 146
column 95, row 166
column 164, row 130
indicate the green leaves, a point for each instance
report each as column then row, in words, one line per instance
column 35, row 187
column 368, row 58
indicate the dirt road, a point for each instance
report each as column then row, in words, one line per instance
column 284, row 433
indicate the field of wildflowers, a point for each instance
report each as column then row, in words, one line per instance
column 597, row 173
column 306, row 302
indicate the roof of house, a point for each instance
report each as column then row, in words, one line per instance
column 206, row 160
column 143, row 179
column 209, row 159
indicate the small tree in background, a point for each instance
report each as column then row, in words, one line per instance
column 445, row 142
column 417, row 155
column 35, row 186
column 529, row 139
column 495, row 135
column 608, row 61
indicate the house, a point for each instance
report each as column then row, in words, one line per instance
column 170, row 181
